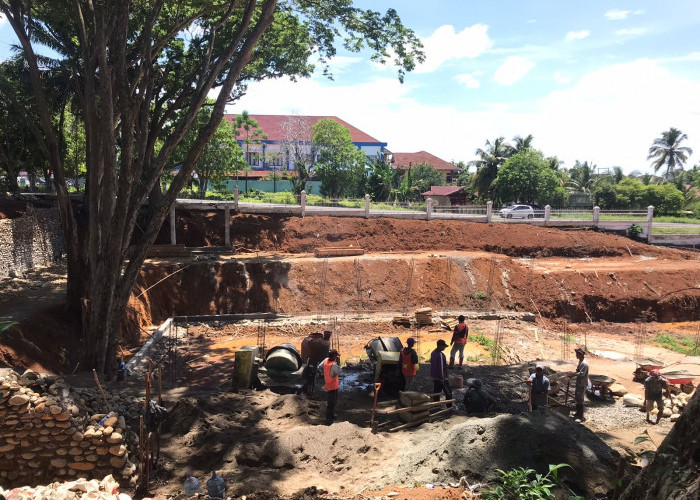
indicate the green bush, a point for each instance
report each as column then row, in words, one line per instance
column 634, row 231
column 481, row 340
column 526, row 484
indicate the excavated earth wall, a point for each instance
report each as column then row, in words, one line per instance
column 388, row 282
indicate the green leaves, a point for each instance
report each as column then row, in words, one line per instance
column 340, row 165
column 4, row 325
column 527, row 484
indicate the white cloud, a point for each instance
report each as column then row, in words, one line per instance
column 445, row 44
column 513, row 69
column 340, row 64
column 469, row 80
column 562, row 78
column 577, row 35
column 631, row 31
column 616, row 14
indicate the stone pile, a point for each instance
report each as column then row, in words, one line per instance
column 46, row 436
column 672, row 407
column 106, row 489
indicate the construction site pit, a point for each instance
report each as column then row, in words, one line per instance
column 529, row 295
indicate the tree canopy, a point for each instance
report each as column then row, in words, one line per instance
column 340, row 165
column 526, row 178
column 139, row 72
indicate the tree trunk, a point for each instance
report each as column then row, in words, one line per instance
column 674, row 473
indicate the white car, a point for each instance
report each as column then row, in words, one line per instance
column 518, row 212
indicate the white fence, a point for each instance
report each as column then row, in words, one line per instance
column 614, row 220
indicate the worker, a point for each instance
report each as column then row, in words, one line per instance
column 438, row 372
column 539, row 387
column 331, row 376
column 476, row 399
column 408, row 361
column 581, row 375
column 654, row 386
column 459, row 340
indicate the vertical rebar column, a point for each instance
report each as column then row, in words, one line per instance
column 496, row 353
column 409, row 281
column 639, row 339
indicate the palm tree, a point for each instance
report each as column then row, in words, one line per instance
column 667, row 151
column 522, row 143
column 490, row 160
column 582, row 180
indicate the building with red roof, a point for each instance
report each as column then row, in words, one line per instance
column 405, row 161
column 446, row 195
column 287, row 132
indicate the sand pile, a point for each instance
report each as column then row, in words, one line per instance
column 477, row 447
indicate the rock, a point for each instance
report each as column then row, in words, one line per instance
column 76, row 451
column 667, row 413
column 618, row 390
column 101, row 450
column 81, row 466
column 675, row 417
column 117, row 461
column 115, row 437
column 18, row 400
column 63, row 417
column 107, row 431
column 632, row 400
column 6, row 448
column 117, row 450
column 111, row 421
column 59, row 463
column 55, row 409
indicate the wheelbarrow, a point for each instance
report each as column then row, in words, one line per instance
column 600, row 384
column 680, row 381
column 644, row 366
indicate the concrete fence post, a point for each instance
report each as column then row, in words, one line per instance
column 235, row 197
column 429, row 209
column 596, row 215
column 650, row 220
column 547, row 213
column 489, row 211
column 173, row 238
column 303, row 203
column 366, row 206
column 227, row 225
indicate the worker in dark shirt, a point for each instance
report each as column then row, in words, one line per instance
column 654, row 386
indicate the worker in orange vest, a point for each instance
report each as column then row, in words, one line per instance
column 331, row 376
column 408, row 360
column 459, row 340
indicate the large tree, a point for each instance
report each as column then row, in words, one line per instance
column 140, row 71
column 341, row 165
column 491, row 157
column 221, row 157
column 666, row 151
column 527, row 178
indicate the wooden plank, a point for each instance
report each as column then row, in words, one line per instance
column 418, row 408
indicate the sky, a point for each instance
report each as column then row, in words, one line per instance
column 593, row 81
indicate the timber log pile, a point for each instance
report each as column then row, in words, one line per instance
column 50, row 435
column 424, row 316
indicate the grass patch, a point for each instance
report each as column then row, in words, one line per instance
column 475, row 359
column 675, row 230
column 683, row 344
column 480, row 295
column 481, row 340
column 568, row 337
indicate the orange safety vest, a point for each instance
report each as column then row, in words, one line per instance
column 407, row 368
column 461, row 330
column 332, row 383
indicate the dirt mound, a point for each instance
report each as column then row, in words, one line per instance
column 475, row 448
column 296, row 234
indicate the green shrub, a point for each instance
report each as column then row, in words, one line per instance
column 634, row 231
column 480, row 295
column 526, row 484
